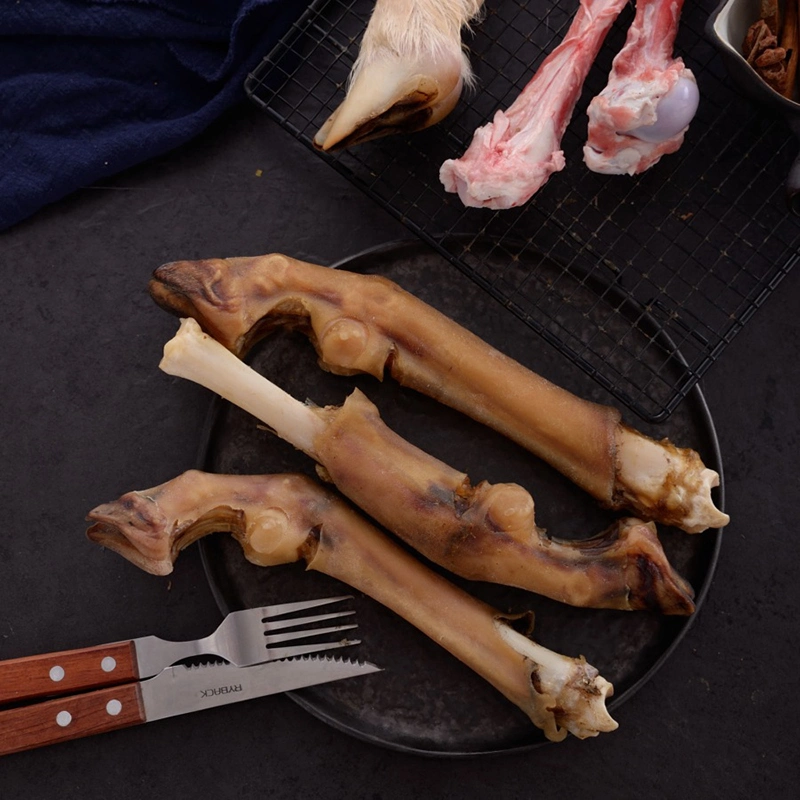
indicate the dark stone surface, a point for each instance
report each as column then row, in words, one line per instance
column 86, row 416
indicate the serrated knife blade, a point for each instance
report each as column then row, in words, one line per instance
column 182, row 689
column 176, row 690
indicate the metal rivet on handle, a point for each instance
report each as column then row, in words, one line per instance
column 63, row 718
column 113, row 707
column 57, row 673
column 108, row 664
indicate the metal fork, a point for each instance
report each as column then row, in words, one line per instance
column 243, row 638
column 246, row 637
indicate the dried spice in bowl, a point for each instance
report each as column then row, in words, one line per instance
column 770, row 45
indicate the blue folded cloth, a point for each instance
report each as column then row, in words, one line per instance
column 91, row 87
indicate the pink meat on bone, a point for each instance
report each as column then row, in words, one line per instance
column 512, row 157
column 645, row 110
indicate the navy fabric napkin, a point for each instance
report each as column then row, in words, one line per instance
column 91, row 87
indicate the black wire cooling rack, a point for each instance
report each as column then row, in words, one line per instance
column 675, row 261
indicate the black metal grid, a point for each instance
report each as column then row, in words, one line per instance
column 684, row 253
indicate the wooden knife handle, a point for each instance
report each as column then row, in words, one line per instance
column 67, row 672
column 70, row 718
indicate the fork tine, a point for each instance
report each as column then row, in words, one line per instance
column 292, row 623
column 288, row 608
column 275, row 638
column 304, row 649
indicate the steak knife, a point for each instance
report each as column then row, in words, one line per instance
column 177, row 690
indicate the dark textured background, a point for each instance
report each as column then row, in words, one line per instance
column 86, row 415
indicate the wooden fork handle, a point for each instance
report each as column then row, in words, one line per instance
column 70, row 718
column 67, row 672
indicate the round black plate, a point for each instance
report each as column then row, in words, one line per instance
column 425, row 701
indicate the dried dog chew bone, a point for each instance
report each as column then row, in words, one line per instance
column 484, row 532
column 279, row 519
column 409, row 73
column 365, row 323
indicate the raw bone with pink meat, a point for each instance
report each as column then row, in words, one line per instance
column 650, row 99
column 513, row 156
